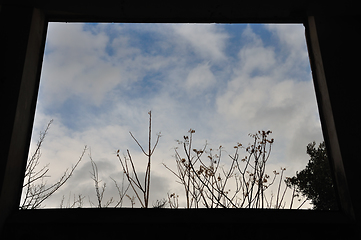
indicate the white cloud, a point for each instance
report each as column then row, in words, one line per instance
column 200, row 78
column 205, row 39
column 291, row 35
column 76, row 65
column 263, row 95
column 186, row 79
column 254, row 57
column 291, row 38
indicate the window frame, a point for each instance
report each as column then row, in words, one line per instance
column 19, row 145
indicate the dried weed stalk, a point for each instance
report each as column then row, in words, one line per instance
column 100, row 189
column 243, row 185
column 130, row 170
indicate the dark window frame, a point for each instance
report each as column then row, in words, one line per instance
column 23, row 121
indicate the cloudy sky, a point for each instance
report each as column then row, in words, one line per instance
column 99, row 81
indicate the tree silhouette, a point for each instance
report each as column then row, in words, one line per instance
column 315, row 181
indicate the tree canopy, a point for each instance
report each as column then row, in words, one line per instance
column 315, row 181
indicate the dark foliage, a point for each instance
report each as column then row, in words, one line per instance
column 315, row 181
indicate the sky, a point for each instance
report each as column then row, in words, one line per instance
column 99, row 81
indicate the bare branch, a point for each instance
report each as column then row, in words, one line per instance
column 140, row 146
column 36, row 190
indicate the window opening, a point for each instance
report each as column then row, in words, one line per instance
column 222, row 81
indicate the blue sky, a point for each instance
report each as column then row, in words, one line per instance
column 225, row 81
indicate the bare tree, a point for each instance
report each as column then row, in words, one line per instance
column 243, row 184
column 131, row 173
column 99, row 190
column 35, row 188
column 76, row 202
